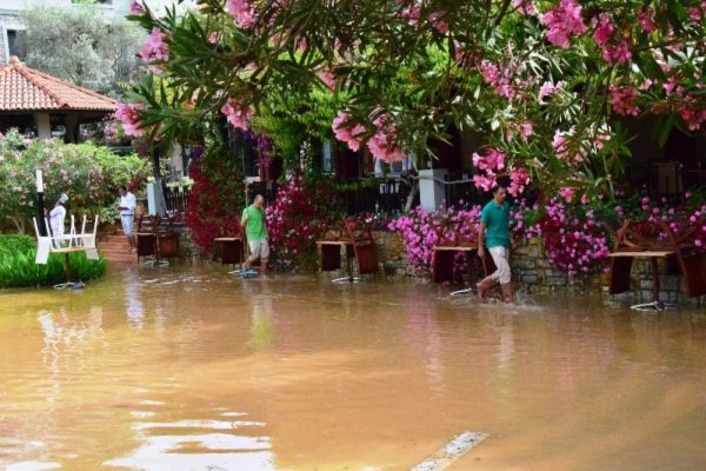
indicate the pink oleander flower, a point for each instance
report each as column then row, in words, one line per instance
column 567, row 193
column 302, row 45
column 618, row 54
column 129, row 115
column 693, row 117
column 526, row 130
column 547, row 89
column 519, row 180
column 646, row 19
column 493, row 161
column 328, row 78
column 563, row 21
column 237, row 114
column 412, row 13
column 562, row 148
column 214, row 37
column 525, row 7
column 383, row 144
column 352, row 136
column 242, row 12
column 490, row 72
column 155, row 49
column 604, row 28
column 623, row 100
column 437, row 21
column 696, row 14
column 485, row 182
column 136, row 8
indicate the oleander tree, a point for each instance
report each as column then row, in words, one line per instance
column 545, row 82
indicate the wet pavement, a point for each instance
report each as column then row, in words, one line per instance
column 197, row 369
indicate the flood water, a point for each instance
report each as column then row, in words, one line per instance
column 195, row 369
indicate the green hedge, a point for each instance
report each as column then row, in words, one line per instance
column 17, row 267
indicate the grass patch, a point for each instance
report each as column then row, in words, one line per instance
column 17, row 267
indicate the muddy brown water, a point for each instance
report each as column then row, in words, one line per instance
column 196, row 369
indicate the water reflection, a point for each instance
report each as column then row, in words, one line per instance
column 198, row 444
column 135, row 310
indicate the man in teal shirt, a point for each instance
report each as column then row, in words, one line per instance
column 494, row 233
column 253, row 221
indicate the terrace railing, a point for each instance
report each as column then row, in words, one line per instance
column 177, row 199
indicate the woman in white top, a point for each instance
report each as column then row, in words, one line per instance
column 56, row 220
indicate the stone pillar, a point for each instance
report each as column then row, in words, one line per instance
column 41, row 120
column 155, row 200
column 431, row 188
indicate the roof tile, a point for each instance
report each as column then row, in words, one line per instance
column 26, row 89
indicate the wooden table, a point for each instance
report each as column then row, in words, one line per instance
column 622, row 270
column 231, row 250
column 330, row 257
column 442, row 260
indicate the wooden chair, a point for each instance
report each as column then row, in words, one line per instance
column 158, row 242
column 363, row 247
column 655, row 240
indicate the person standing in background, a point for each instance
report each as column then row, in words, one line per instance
column 56, row 220
column 253, row 222
column 127, row 206
column 494, row 233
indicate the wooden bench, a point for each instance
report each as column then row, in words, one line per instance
column 654, row 241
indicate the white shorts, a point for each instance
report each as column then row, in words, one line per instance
column 126, row 221
column 258, row 249
column 503, row 274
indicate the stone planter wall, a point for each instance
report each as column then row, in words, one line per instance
column 531, row 269
column 532, row 272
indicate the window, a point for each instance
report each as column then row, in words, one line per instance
column 12, row 42
column 327, row 157
column 395, row 168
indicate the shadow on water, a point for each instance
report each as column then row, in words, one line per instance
column 177, row 368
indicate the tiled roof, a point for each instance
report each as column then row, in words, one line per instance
column 25, row 89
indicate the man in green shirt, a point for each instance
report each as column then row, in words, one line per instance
column 494, row 233
column 253, row 221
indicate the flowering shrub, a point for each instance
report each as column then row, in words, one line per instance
column 89, row 174
column 576, row 245
column 299, row 215
column 421, row 230
column 215, row 201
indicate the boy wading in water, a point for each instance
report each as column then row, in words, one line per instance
column 253, row 221
column 495, row 234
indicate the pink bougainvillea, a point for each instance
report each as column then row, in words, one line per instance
column 421, row 230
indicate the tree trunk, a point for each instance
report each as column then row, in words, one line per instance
column 411, row 196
